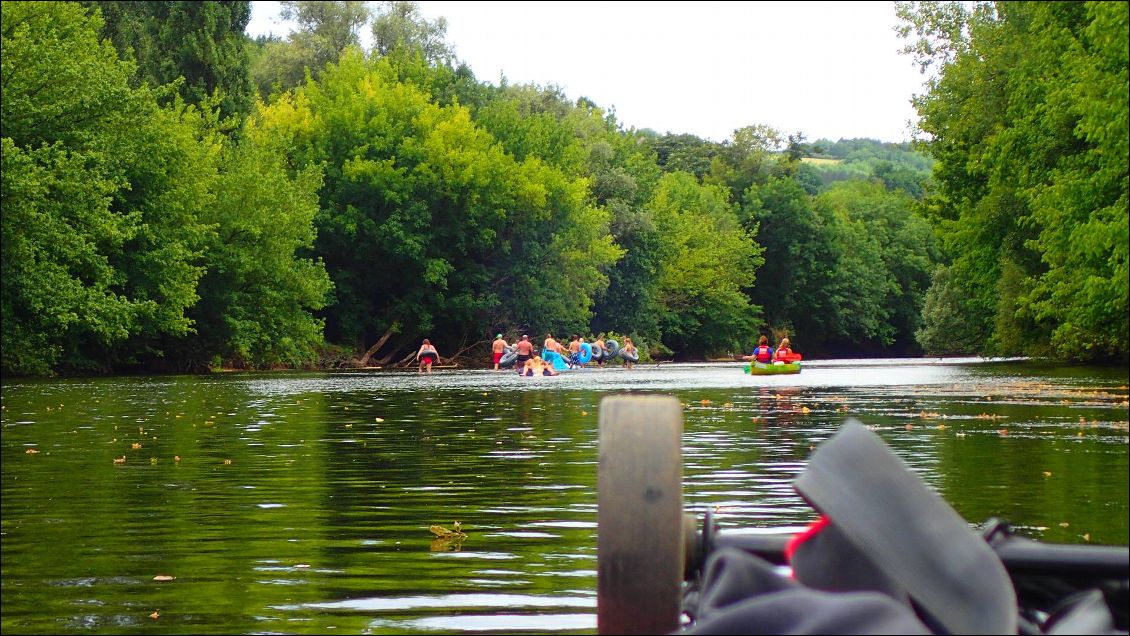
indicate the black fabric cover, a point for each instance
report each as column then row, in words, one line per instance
column 744, row 594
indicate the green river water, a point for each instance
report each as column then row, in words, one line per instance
column 301, row 502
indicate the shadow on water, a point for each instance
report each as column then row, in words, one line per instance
column 301, row 503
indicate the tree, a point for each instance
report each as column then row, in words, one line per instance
column 203, row 42
column 795, row 285
column 946, row 329
column 324, row 31
column 474, row 236
column 101, row 195
column 707, row 259
column 259, row 294
column 1028, row 119
column 398, row 26
column 886, row 257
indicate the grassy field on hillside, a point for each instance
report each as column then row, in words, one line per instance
column 824, row 162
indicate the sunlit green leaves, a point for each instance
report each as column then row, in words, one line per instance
column 1029, row 118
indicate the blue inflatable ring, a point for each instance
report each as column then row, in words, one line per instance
column 585, row 354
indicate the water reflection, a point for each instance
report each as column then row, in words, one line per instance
column 301, row 503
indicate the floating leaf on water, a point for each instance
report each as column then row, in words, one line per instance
column 120, row 460
column 1087, row 536
column 443, row 533
column 176, row 458
column 1063, row 524
column 227, row 462
column 163, row 577
column 135, row 445
column 154, row 615
column 31, row 451
column 1047, row 473
column 378, row 419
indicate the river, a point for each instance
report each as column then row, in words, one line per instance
column 301, row 502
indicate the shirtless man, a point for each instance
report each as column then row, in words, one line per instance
column 575, row 344
column 599, row 343
column 552, row 345
column 525, row 352
column 498, row 349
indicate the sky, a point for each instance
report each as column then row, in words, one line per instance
column 829, row 70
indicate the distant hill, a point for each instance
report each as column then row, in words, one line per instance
column 899, row 165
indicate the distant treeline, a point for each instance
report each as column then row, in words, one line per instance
column 179, row 197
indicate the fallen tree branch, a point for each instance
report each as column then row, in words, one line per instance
column 394, row 327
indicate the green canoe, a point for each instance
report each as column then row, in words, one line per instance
column 760, row 368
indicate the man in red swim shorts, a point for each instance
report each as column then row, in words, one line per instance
column 498, row 349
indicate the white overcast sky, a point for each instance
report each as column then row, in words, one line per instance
column 827, row 69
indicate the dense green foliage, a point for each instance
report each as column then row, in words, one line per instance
column 203, row 42
column 374, row 198
column 1028, row 125
column 113, row 226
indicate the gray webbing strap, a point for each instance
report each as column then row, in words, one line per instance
column 910, row 532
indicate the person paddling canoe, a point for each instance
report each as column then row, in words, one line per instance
column 783, row 353
column 762, row 353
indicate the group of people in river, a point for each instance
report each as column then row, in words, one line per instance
column 765, row 354
column 529, row 363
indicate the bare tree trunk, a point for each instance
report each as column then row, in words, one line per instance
column 395, row 326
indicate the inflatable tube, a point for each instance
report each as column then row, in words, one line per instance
column 555, row 359
column 633, row 358
column 611, row 348
column 508, row 358
column 585, row 354
column 597, row 353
